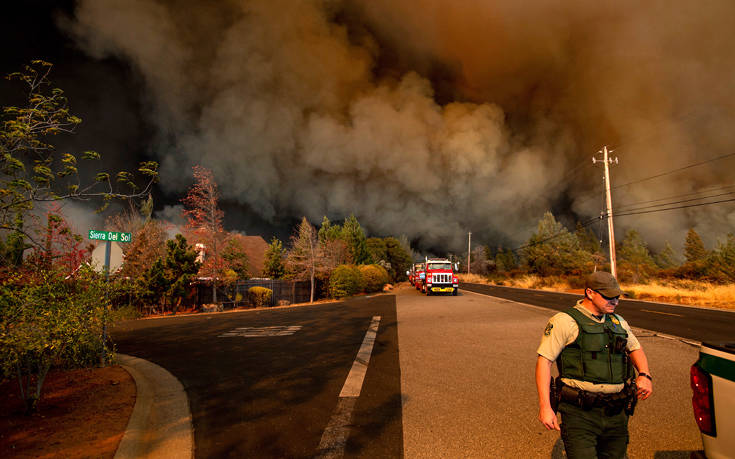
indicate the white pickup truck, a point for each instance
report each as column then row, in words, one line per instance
column 713, row 399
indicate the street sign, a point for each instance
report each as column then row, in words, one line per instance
column 110, row 236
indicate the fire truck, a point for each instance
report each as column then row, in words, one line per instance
column 413, row 274
column 419, row 276
column 440, row 277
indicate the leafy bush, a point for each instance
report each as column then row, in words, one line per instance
column 259, row 296
column 51, row 320
column 345, row 281
column 374, row 277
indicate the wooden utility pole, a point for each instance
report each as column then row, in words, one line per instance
column 469, row 251
column 608, row 202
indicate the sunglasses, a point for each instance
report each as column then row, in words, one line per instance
column 608, row 298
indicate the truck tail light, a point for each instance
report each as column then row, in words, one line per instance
column 704, row 409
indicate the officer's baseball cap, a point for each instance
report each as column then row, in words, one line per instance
column 603, row 282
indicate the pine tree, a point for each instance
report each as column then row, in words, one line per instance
column 235, row 258
column 376, row 250
column 273, row 266
column 720, row 264
column 153, row 284
column 505, row 260
column 329, row 231
column 588, row 240
column 552, row 249
column 398, row 258
column 634, row 255
column 666, row 259
column 180, row 268
column 694, row 247
column 354, row 237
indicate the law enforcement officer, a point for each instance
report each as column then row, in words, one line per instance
column 596, row 391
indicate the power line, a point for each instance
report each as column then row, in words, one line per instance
column 674, row 208
column 596, row 190
column 634, row 208
column 693, row 193
column 674, row 170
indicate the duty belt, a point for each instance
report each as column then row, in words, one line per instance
column 612, row 403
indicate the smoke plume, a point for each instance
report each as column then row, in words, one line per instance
column 436, row 120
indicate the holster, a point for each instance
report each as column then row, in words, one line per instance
column 554, row 386
column 631, row 397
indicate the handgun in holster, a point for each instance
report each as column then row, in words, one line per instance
column 630, row 389
column 553, row 397
column 554, row 393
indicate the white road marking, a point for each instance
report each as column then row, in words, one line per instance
column 664, row 313
column 256, row 332
column 334, row 438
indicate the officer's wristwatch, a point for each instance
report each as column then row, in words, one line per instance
column 646, row 375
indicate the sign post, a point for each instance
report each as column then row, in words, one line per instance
column 109, row 237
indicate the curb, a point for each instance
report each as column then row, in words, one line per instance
column 160, row 426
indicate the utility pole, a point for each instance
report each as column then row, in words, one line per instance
column 469, row 251
column 608, row 201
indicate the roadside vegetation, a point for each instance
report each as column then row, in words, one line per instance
column 54, row 310
column 555, row 258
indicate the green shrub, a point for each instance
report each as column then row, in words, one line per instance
column 345, row 281
column 374, row 277
column 259, row 296
column 51, row 320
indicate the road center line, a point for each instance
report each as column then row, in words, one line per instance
column 334, row 438
column 664, row 313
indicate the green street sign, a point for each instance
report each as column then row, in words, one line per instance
column 110, row 236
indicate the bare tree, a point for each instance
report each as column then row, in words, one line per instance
column 305, row 258
column 204, row 222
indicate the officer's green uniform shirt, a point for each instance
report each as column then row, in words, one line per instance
column 562, row 330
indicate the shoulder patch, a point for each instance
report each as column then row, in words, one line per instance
column 547, row 330
column 615, row 320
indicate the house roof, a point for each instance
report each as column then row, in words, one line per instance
column 255, row 248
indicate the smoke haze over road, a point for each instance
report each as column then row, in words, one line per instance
column 433, row 121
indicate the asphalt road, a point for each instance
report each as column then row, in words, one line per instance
column 467, row 377
column 273, row 396
column 461, row 386
column 698, row 324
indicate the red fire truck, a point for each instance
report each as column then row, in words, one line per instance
column 440, row 277
column 413, row 274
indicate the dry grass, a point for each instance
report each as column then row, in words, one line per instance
column 686, row 292
column 472, row 278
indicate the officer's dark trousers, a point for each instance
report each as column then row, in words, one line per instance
column 592, row 434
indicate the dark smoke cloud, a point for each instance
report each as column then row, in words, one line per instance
column 432, row 121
